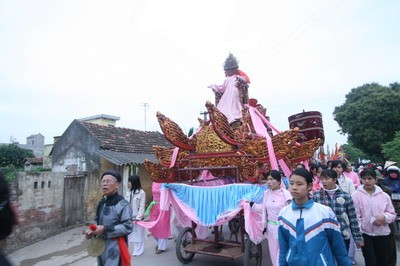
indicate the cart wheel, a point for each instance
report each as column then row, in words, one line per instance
column 184, row 238
column 252, row 253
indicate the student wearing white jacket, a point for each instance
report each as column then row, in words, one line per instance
column 137, row 198
column 345, row 183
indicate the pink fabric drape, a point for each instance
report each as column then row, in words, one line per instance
column 305, row 162
column 262, row 130
column 174, row 156
column 259, row 121
column 161, row 227
column 285, row 168
column 269, row 124
column 265, row 120
column 254, row 224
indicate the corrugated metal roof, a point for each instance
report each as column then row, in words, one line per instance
column 122, row 158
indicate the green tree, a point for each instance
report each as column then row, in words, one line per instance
column 13, row 155
column 10, row 172
column 352, row 153
column 370, row 116
column 391, row 149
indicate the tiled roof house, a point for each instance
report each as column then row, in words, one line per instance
column 32, row 163
column 84, row 143
column 125, row 146
column 90, row 146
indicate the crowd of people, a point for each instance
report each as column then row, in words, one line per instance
column 316, row 221
column 319, row 215
column 360, row 208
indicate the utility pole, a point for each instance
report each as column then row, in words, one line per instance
column 145, row 105
column 205, row 113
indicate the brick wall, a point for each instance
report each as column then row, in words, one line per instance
column 39, row 197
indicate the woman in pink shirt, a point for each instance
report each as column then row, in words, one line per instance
column 274, row 199
column 159, row 232
column 348, row 172
column 316, row 170
column 375, row 212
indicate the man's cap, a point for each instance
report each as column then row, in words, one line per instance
column 114, row 173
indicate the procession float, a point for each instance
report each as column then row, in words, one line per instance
column 211, row 176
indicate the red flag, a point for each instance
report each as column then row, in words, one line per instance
column 335, row 154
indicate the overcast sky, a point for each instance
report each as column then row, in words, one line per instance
column 64, row 60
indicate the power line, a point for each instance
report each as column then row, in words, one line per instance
column 308, row 101
column 293, row 32
column 283, row 44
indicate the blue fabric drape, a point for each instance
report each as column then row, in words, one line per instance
column 209, row 202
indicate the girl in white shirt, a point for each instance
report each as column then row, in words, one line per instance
column 137, row 198
column 344, row 183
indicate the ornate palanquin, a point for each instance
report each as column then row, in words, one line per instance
column 309, row 124
column 222, row 149
column 303, row 151
column 174, row 134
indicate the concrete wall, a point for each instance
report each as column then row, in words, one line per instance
column 39, row 196
column 93, row 195
column 76, row 151
column 73, row 161
column 46, row 156
column 41, row 208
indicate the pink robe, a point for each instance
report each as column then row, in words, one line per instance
column 229, row 104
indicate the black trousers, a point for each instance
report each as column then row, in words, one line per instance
column 375, row 250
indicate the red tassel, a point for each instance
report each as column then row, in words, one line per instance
column 124, row 252
column 92, row 227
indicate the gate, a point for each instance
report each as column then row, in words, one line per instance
column 73, row 205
